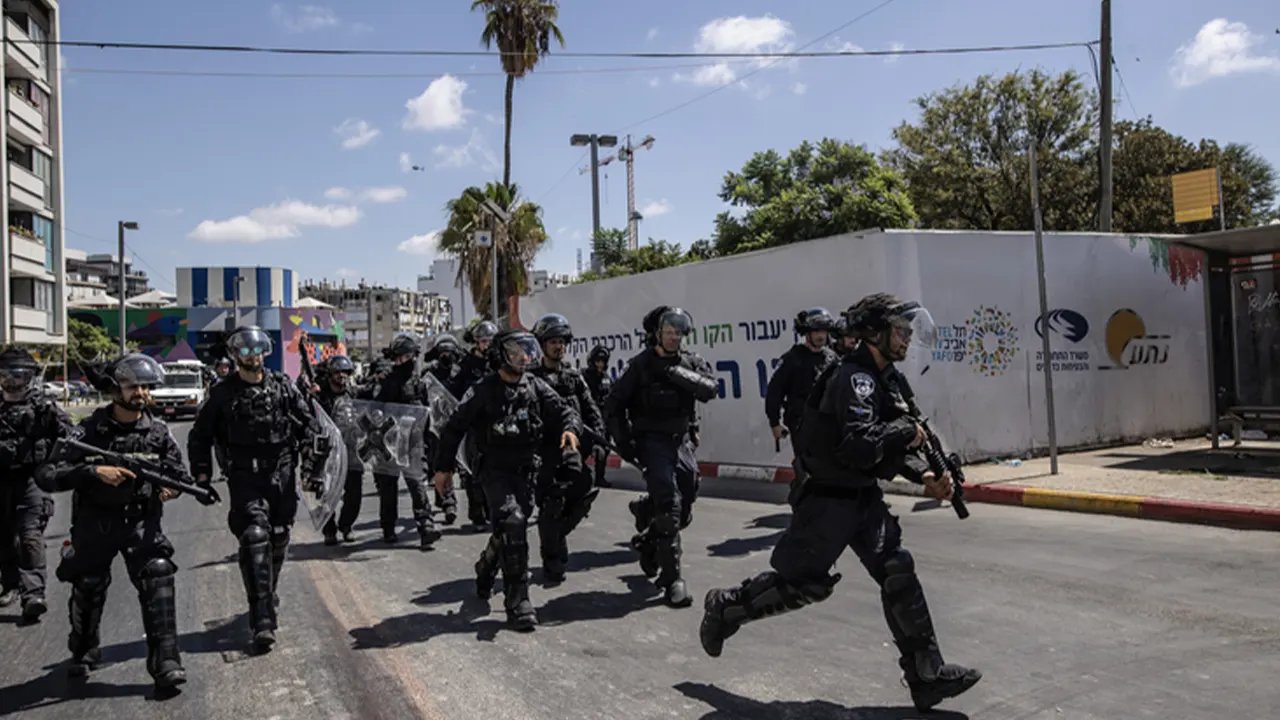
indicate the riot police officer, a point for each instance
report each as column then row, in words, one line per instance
column 843, row 340
column 789, row 386
column 441, row 361
column 858, row 428
column 29, row 425
column 512, row 414
column 335, row 384
column 402, row 386
column 596, row 373
column 221, row 369
column 649, row 412
column 115, row 512
column 564, row 493
column 258, row 420
column 471, row 368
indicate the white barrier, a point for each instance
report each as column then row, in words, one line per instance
column 1126, row 328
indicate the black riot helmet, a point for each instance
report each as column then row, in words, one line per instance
column 814, row 318
column 445, row 344
column 483, row 330
column 598, row 353
column 551, row 327
column 666, row 316
column 223, row 363
column 248, row 341
column 134, row 369
column 17, row 369
column 874, row 316
column 404, row 343
column 517, row 351
column 340, row 364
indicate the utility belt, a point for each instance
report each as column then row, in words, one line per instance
column 256, row 460
column 842, row 491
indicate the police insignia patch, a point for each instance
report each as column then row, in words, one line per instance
column 863, row 385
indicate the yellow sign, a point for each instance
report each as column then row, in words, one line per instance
column 1195, row 194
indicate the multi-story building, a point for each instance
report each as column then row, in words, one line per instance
column 442, row 280
column 224, row 287
column 392, row 310
column 83, row 280
column 105, row 267
column 32, row 282
column 540, row 280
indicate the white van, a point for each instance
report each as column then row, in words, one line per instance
column 183, row 391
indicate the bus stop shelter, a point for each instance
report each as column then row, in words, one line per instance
column 1242, row 312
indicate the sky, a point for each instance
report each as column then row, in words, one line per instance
column 314, row 173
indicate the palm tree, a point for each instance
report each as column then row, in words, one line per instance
column 522, row 30
column 515, row 244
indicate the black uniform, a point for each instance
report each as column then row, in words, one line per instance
column 402, row 386
column 510, row 423
column 564, row 490
column 258, row 429
column 600, row 383
column 353, row 485
column 784, row 400
column 649, row 411
column 470, row 370
column 125, row 520
column 857, row 430
column 28, row 429
column 448, row 501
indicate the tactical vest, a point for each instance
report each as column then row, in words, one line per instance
column 20, row 433
column 259, row 416
column 660, row 402
column 564, row 381
column 136, row 495
column 517, row 428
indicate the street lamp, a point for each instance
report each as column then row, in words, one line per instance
column 235, row 302
column 595, row 141
column 484, row 239
column 121, row 226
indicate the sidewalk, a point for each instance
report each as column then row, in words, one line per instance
column 1188, row 482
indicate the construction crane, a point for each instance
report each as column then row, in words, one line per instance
column 627, row 154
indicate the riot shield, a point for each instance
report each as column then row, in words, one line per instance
column 390, row 438
column 441, row 403
column 321, row 505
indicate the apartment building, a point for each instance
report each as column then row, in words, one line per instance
column 32, row 278
column 392, row 310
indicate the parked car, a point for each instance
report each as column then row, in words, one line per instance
column 54, row 390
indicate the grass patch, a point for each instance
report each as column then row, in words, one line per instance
column 1206, row 474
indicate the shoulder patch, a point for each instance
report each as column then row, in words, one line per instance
column 863, row 385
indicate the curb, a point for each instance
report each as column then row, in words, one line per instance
column 1239, row 517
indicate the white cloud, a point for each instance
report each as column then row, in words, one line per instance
column 895, row 47
column 337, row 193
column 425, row 244
column 654, row 208
column 835, row 44
column 738, row 34
column 653, row 33
column 389, row 194
column 356, row 133
column 1219, row 49
column 275, row 222
column 439, row 107
column 406, row 164
column 654, row 82
column 306, row 18
column 799, row 88
column 475, row 151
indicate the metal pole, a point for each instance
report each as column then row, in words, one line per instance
column 1222, row 202
column 595, row 187
column 633, row 231
column 1104, row 164
column 234, row 320
column 1044, row 312
column 120, row 230
column 1207, row 278
column 493, row 253
column 369, row 324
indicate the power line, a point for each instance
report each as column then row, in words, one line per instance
column 380, row 76
column 779, row 55
column 158, row 276
column 560, row 179
column 1125, row 88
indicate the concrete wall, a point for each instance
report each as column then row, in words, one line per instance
column 1126, row 329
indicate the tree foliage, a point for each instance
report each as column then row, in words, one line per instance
column 515, row 244
column 816, row 190
column 609, row 246
column 658, row 254
column 87, row 344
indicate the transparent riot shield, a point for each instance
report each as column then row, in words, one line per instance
column 323, row 503
column 390, row 438
column 441, row 403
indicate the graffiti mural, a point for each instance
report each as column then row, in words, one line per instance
column 323, row 332
column 160, row 332
column 1182, row 264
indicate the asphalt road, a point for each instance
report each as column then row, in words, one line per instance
column 1069, row 616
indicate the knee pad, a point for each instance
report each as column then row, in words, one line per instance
column 899, row 566
column 158, row 568
column 254, row 535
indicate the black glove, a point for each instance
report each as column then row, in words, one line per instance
column 212, row 498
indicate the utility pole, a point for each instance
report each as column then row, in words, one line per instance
column 1044, row 309
column 595, row 141
column 370, row 323
column 1104, row 154
column 121, row 226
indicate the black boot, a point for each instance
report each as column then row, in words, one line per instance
column 279, row 551
column 257, row 573
column 725, row 610
column 487, row 567
column 428, row 533
column 88, row 596
column 949, row 681
column 160, row 621
column 642, row 542
column 515, row 572
column 669, row 578
column 551, row 540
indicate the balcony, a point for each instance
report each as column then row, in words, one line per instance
column 25, row 121
column 22, row 54
column 26, row 188
column 29, row 318
column 28, row 257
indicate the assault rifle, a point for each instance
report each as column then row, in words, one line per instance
column 148, row 470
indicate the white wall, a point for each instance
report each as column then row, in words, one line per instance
column 983, row 388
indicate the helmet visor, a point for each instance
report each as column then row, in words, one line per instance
column 915, row 326
column 521, row 353
column 250, row 342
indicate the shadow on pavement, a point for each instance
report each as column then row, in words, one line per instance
column 737, row 547
column 728, row 705
column 1246, row 461
column 56, row 687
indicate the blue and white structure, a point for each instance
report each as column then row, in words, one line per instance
column 216, row 287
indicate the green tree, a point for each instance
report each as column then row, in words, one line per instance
column 516, row 244
column 609, row 246
column 522, row 30
column 87, row 344
column 656, row 255
column 814, row 191
column 965, row 160
column 701, row 250
column 1145, row 157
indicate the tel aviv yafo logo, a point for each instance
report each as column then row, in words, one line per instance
column 1128, row 343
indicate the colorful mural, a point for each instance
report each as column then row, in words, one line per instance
column 160, row 332
column 1182, row 264
column 324, row 336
